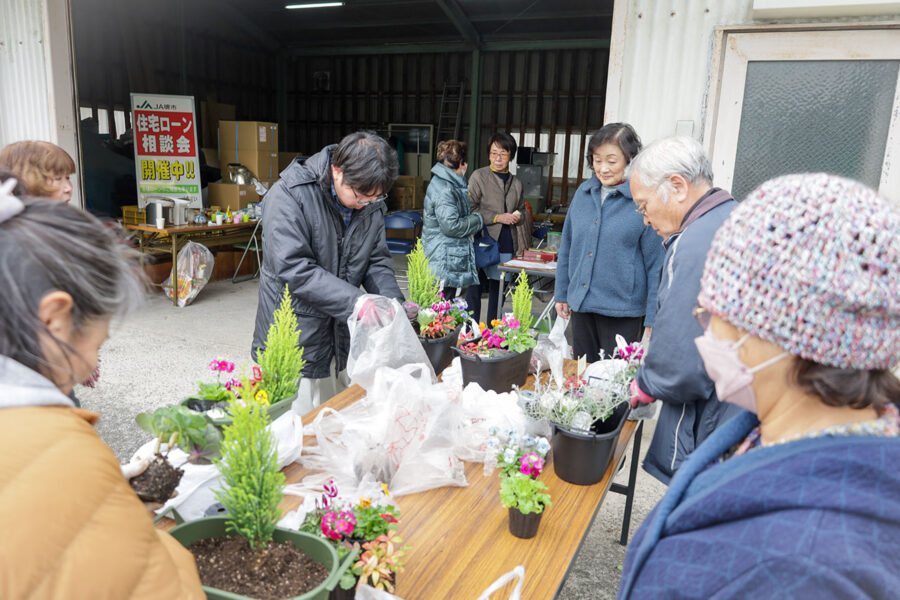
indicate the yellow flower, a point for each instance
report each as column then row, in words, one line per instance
column 262, row 397
column 365, row 503
column 482, row 325
column 385, row 488
column 496, row 322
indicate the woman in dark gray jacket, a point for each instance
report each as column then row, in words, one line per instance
column 449, row 223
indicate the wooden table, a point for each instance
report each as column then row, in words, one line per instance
column 152, row 240
column 459, row 536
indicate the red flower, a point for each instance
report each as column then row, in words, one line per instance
column 389, row 517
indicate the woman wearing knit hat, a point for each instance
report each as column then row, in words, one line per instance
column 799, row 495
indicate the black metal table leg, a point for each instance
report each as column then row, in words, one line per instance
column 628, row 489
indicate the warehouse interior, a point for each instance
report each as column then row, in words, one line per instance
column 534, row 68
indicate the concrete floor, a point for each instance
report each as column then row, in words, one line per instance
column 156, row 356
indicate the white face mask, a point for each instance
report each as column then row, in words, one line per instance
column 732, row 377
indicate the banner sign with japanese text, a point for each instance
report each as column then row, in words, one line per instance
column 165, row 147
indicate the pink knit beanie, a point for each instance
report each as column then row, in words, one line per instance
column 811, row 263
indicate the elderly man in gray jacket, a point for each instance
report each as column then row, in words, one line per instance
column 671, row 183
column 323, row 236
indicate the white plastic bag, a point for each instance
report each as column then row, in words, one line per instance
column 381, row 336
column 518, row 573
column 195, row 266
column 367, row 592
column 552, row 350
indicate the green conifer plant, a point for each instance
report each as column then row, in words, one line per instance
column 423, row 285
column 281, row 361
column 249, row 467
column 521, row 302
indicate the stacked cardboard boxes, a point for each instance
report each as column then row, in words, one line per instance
column 408, row 192
column 253, row 144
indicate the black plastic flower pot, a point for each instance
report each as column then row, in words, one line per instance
column 439, row 350
column 582, row 458
column 522, row 525
column 499, row 373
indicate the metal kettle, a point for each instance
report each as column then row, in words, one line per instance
column 238, row 173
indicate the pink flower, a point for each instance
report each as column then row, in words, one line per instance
column 511, row 322
column 228, row 367
column 337, row 525
column 232, row 383
column 531, row 464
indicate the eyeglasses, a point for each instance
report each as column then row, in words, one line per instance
column 499, row 154
column 703, row 316
column 641, row 210
column 364, row 200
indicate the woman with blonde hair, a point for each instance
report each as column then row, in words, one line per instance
column 43, row 168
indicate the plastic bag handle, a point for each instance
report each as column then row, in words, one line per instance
column 518, row 572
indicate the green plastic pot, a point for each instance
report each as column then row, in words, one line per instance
column 274, row 410
column 314, row 547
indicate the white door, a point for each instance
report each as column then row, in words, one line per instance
column 795, row 101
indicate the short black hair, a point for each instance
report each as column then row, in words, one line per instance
column 622, row 135
column 367, row 161
column 505, row 141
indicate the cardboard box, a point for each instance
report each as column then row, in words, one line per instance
column 284, row 159
column 212, row 157
column 263, row 165
column 232, row 195
column 248, row 135
column 412, row 199
column 211, row 112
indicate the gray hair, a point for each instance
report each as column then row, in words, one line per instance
column 680, row 155
column 368, row 162
column 52, row 246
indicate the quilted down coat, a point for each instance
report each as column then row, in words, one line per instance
column 71, row 525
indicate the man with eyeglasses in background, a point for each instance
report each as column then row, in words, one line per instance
column 323, row 236
column 671, row 185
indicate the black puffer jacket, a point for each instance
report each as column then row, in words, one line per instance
column 324, row 263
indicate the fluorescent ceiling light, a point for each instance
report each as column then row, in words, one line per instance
column 315, row 5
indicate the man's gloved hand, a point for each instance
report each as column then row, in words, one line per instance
column 638, row 396
column 135, row 467
column 369, row 313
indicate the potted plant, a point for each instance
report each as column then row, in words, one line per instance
column 273, row 383
column 497, row 357
column 521, row 461
column 586, row 415
column 369, row 527
column 244, row 555
column 174, row 426
column 437, row 321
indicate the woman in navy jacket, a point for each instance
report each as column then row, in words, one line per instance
column 609, row 261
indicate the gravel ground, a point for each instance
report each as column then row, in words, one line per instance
column 157, row 355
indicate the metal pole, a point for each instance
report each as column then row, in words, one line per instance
column 475, row 106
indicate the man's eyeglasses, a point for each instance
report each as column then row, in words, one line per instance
column 363, row 200
column 703, row 316
column 641, row 210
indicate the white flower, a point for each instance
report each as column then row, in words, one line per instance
column 509, row 455
column 543, row 446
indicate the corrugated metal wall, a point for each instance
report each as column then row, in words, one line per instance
column 553, row 96
column 24, row 97
column 666, row 62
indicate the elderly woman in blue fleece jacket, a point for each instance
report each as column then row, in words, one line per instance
column 609, row 261
column 798, row 496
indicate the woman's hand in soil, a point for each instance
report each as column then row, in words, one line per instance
column 135, row 467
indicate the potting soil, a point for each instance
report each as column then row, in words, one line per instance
column 157, row 483
column 280, row 570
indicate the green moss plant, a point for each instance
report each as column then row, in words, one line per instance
column 521, row 302
column 282, row 359
column 424, row 288
column 249, row 468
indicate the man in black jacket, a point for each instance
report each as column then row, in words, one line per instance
column 323, row 236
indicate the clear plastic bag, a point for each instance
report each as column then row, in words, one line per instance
column 381, row 336
column 518, row 574
column 399, row 434
column 195, row 266
column 552, row 350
